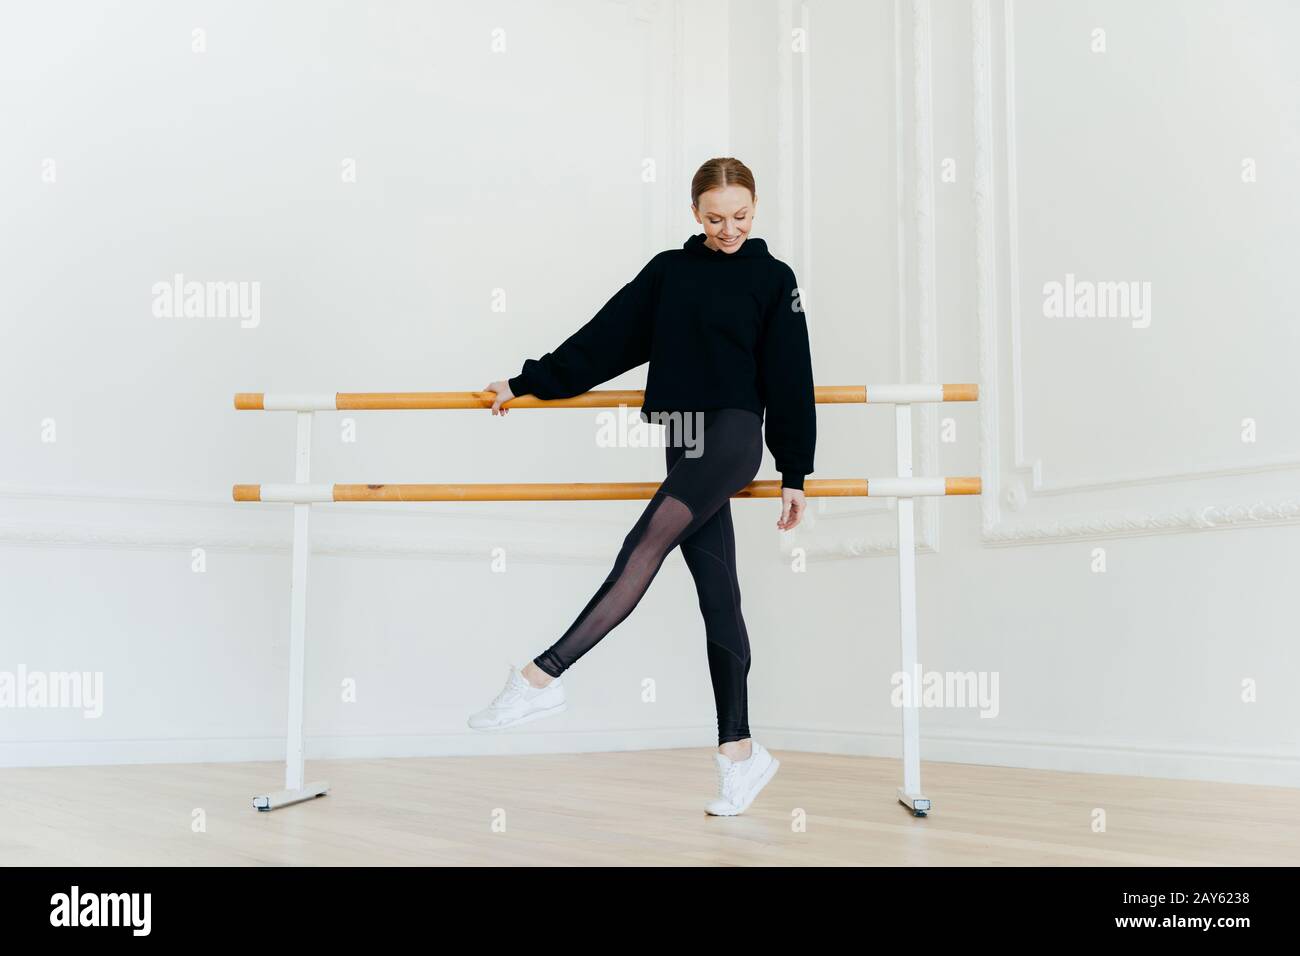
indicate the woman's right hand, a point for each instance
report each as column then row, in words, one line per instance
column 504, row 394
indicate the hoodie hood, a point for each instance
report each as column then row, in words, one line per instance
column 751, row 248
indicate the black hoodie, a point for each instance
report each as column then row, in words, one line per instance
column 719, row 329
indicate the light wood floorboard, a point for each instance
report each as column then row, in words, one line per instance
column 638, row 808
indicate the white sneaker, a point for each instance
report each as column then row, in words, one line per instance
column 520, row 702
column 739, row 781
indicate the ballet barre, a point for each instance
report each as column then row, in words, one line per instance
column 608, row 398
column 302, row 494
column 600, row 491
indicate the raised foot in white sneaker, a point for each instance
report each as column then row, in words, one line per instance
column 520, row 702
column 739, row 781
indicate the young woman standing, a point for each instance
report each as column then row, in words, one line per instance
column 721, row 324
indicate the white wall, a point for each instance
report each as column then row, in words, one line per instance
column 1092, row 433
column 522, row 171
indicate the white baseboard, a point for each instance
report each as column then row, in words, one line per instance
column 1068, row 755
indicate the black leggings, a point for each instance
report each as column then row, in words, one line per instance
column 691, row 508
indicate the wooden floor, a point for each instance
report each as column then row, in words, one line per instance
column 641, row 808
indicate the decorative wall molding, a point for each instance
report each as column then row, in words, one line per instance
column 997, row 291
column 214, row 538
column 918, row 357
column 840, row 546
column 336, row 532
column 157, row 521
column 662, row 29
column 1206, row 518
column 985, row 263
column 27, row 513
column 927, row 336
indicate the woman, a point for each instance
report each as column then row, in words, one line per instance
column 721, row 325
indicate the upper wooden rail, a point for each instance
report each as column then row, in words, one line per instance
column 597, row 490
column 376, row 401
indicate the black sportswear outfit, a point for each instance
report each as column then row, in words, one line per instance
column 719, row 329
column 726, row 339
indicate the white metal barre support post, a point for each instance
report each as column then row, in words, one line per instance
column 909, row 793
column 294, row 759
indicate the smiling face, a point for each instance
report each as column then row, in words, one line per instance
column 726, row 213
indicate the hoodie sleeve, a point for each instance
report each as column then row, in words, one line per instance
column 615, row 340
column 786, row 381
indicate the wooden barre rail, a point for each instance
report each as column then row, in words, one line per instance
column 376, row 401
column 598, row 491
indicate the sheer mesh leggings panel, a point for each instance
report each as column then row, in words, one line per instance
column 710, row 553
column 661, row 526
